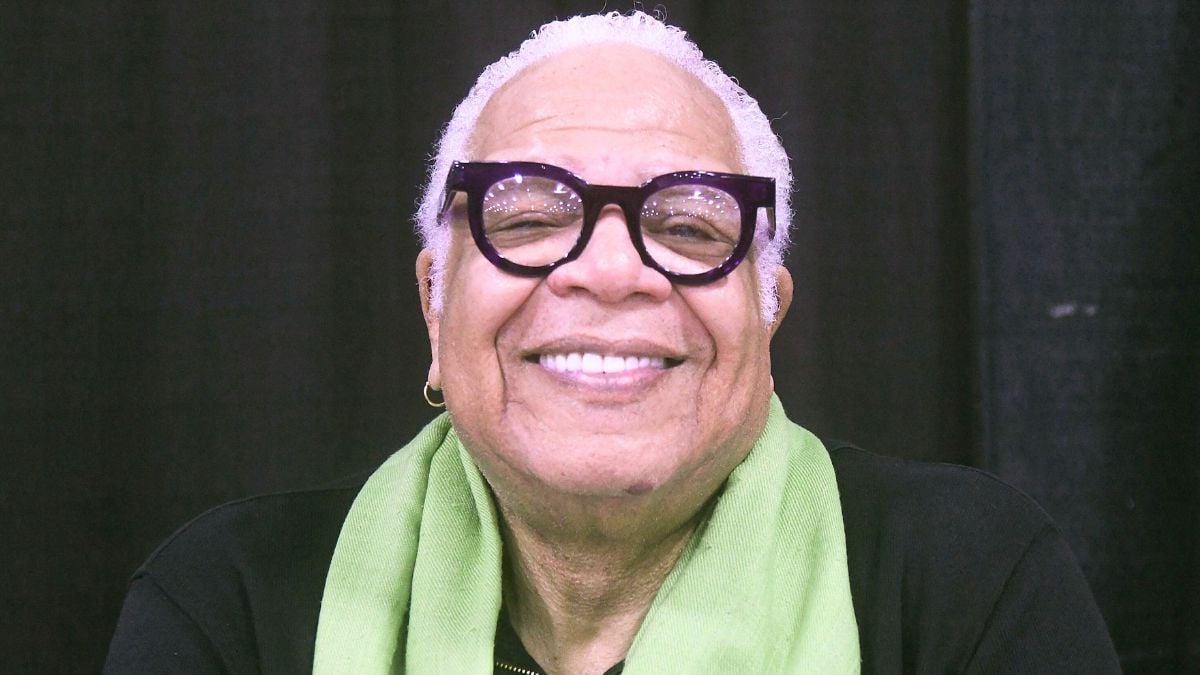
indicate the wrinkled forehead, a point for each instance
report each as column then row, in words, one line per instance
column 609, row 90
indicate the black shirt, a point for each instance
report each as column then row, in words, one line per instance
column 951, row 571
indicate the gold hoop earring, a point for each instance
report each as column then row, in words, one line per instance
column 432, row 403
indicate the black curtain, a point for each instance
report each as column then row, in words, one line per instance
column 206, row 285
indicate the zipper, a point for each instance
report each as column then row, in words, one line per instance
column 500, row 665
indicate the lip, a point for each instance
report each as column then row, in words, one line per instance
column 593, row 363
column 625, row 382
column 627, row 347
column 623, row 347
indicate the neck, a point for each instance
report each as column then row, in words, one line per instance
column 577, row 602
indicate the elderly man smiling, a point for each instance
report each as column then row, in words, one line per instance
column 614, row 485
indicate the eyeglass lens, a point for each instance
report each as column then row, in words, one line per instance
column 535, row 221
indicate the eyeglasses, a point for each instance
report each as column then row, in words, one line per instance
column 694, row 227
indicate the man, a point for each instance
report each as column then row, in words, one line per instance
column 615, row 486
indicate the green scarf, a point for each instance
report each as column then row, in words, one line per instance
column 762, row 587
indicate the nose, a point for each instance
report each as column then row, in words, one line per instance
column 610, row 268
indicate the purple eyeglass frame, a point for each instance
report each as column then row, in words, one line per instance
column 750, row 192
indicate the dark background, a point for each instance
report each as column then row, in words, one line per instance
column 206, row 285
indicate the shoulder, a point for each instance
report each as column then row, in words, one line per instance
column 242, row 581
column 890, row 494
column 266, row 527
column 931, row 533
column 952, row 570
column 953, row 526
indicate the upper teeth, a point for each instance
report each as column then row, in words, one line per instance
column 589, row 362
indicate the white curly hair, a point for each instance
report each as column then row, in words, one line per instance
column 762, row 153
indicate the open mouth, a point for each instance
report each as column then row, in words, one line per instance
column 592, row 363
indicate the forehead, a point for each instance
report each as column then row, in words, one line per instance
column 608, row 104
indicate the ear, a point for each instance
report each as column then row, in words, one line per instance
column 432, row 320
column 783, row 289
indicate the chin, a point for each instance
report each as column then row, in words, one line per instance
column 605, row 487
column 606, row 472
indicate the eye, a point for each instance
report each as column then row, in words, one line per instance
column 527, row 222
column 693, row 230
column 687, row 230
column 532, row 228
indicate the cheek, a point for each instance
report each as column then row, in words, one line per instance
column 479, row 301
column 737, row 384
column 730, row 314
